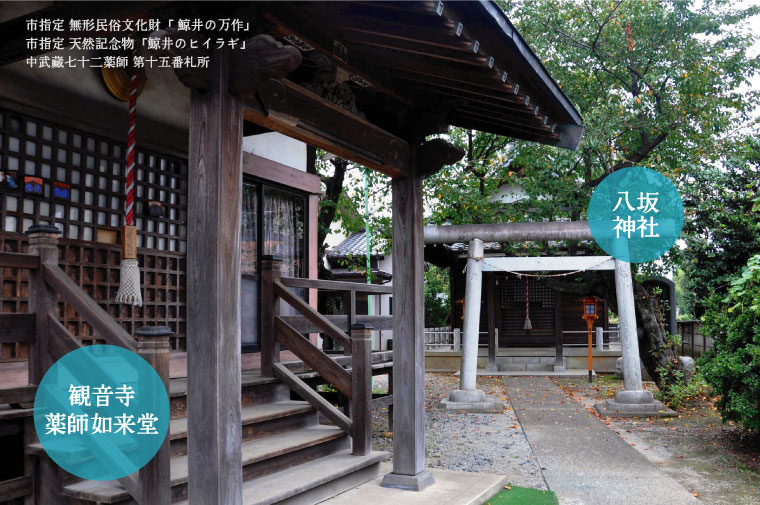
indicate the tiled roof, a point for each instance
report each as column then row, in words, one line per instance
column 355, row 245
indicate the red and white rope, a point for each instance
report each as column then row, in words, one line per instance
column 527, row 300
column 129, row 202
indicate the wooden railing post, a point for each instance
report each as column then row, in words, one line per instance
column 270, row 308
column 349, row 300
column 361, row 388
column 155, row 478
column 43, row 242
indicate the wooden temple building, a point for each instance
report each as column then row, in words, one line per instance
column 226, row 205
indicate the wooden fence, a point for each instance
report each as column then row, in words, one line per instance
column 443, row 337
column 693, row 343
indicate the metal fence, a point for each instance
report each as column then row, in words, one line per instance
column 693, row 343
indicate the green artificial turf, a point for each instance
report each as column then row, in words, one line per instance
column 523, row 496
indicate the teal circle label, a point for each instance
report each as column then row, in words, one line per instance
column 635, row 214
column 101, row 412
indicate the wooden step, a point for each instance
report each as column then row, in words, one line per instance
column 315, row 481
column 258, row 421
column 260, row 457
column 312, row 482
column 254, row 389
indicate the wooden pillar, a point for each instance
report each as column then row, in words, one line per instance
column 270, row 307
column 213, row 290
column 409, row 317
column 155, row 478
column 493, row 343
column 408, row 338
column 361, row 388
column 559, row 354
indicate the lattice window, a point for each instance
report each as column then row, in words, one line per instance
column 513, row 292
column 81, row 185
column 91, row 169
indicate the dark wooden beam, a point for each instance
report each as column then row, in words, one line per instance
column 450, row 44
column 213, row 282
column 263, row 58
column 323, row 42
column 281, row 174
column 19, row 260
column 398, row 29
column 534, row 126
column 549, row 138
column 484, row 78
column 461, row 55
column 519, row 101
column 294, row 111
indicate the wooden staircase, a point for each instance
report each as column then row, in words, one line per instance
column 288, row 456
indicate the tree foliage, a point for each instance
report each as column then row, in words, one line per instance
column 722, row 225
column 732, row 367
column 436, row 297
column 660, row 84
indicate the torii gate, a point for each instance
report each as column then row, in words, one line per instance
column 634, row 400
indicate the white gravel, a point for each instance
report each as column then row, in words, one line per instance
column 455, row 440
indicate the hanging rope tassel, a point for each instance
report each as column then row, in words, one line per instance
column 129, row 287
column 527, row 326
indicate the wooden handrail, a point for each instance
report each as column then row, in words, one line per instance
column 90, row 311
column 19, row 260
column 16, row 488
column 314, row 398
column 296, row 282
column 18, row 328
column 304, row 325
column 312, row 315
column 20, row 394
column 60, row 340
column 313, row 356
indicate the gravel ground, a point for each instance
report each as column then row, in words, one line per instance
column 455, row 440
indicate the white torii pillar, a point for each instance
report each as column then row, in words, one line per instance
column 468, row 391
column 634, row 400
column 634, row 392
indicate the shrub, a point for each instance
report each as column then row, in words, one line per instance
column 732, row 367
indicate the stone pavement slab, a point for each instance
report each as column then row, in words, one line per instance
column 583, row 461
column 450, row 488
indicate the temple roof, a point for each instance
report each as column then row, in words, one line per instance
column 462, row 60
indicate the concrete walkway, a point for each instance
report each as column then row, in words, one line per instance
column 450, row 488
column 583, row 461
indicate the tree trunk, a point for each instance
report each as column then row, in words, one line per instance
column 654, row 348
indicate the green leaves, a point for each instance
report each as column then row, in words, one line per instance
column 732, row 367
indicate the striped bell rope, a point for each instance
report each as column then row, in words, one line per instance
column 527, row 326
column 129, row 286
